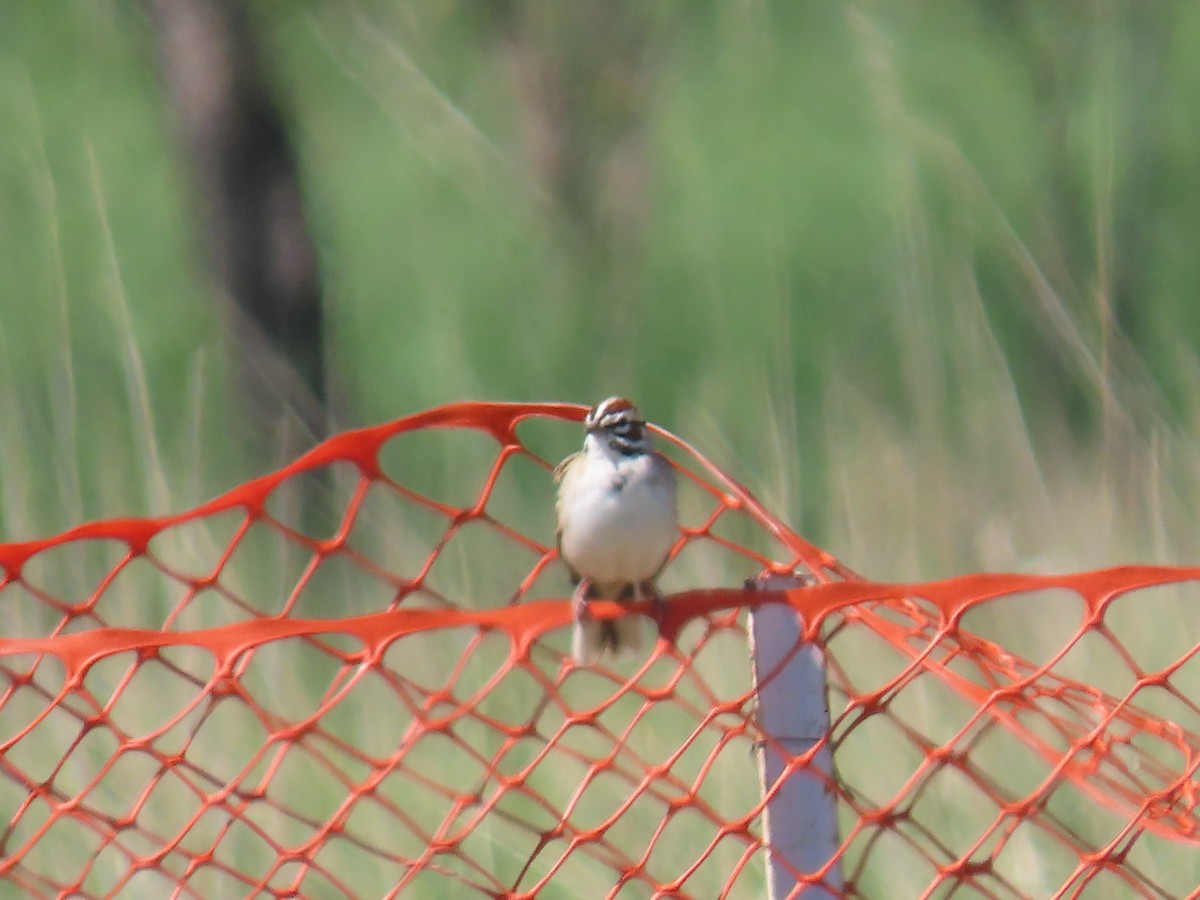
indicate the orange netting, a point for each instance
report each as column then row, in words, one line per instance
column 243, row 701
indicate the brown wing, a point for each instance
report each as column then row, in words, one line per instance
column 561, row 468
column 560, row 472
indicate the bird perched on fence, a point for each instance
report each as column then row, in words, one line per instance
column 617, row 522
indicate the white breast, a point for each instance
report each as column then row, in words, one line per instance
column 619, row 518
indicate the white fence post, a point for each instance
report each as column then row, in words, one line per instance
column 800, row 820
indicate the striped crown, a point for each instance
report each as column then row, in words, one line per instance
column 619, row 420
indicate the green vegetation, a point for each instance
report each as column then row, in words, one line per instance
column 922, row 276
column 964, row 234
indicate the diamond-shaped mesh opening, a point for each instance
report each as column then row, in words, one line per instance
column 522, row 499
column 191, row 550
column 315, row 506
column 260, row 573
column 33, row 612
column 552, row 437
column 70, row 845
column 72, row 573
column 1095, row 657
column 480, row 568
column 350, row 678
column 176, row 676
column 1057, row 612
column 396, row 535
column 337, row 584
column 1136, row 619
column 448, row 467
column 211, row 750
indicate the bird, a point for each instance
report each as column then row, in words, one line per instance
column 618, row 519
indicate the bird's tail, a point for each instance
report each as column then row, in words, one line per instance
column 593, row 638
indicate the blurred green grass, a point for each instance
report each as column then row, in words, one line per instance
column 850, row 212
column 923, row 278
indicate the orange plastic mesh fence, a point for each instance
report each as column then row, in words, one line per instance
column 243, row 701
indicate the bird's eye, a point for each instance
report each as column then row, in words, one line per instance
column 626, row 428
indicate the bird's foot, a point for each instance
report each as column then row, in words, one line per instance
column 647, row 590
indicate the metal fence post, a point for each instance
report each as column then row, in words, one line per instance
column 800, row 820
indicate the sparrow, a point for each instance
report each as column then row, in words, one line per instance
column 617, row 522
